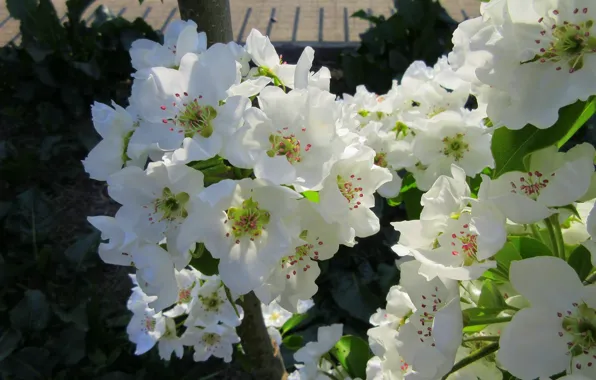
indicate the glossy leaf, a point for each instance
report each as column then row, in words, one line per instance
column 353, row 353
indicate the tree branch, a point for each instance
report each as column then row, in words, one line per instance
column 262, row 353
column 212, row 17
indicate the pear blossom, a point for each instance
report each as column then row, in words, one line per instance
column 188, row 110
column 169, row 342
column 145, row 328
column 156, row 275
column 432, row 334
column 187, row 280
column 348, row 191
column 293, row 279
column 115, row 126
column 553, row 179
column 304, row 306
column 160, row 197
column 118, row 236
column 211, row 305
column 555, row 333
column 289, row 140
column 327, row 337
column 180, row 37
column 455, row 235
column 214, row 340
column 274, row 315
column 247, row 225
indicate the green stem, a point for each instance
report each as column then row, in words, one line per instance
column 487, row 321
column 590, row 279
column 482, row 339
column 536, row 232
column 558, row 235
column 552, row 235
column 474, row 356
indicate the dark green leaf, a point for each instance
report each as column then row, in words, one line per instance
column 20, row 9
column 29, row 363
column 529, row 247
column 32, row 312
column 78, row 316
column 206, row 264
column 70, row 346
column 353, row 354
column 293, row 342
column 352, row 296
column 80, row 252
column 509, row 147
column 9, row 340
column 477, row 316
column 294, row 321
column 76, row 8
column 504, row 257
column 412, row 199
column 581, row 261
column 490, row 297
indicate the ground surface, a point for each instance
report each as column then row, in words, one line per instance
column 321, row 21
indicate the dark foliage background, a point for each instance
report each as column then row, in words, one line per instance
column 63, row 312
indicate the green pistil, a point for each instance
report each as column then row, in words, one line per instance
column 582, row 328
column 248, row 220
column 571, row 42
column 436, row 111
column 455, row 146
column 172, row 206
column 288, row 146
column 400, row 129
column 211, row 339
column 381, row 160
column 212, row 302
column 363, row 113
column 197, row 119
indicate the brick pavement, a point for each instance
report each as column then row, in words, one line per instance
column 318, row 21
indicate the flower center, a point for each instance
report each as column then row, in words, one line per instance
column 288, row 146
column 184, row 295
column 349, row 190
column 569, row 44
column 381, row 160
column 400, row 129
column 211, row 302
column 247, row 220
column 455, row 146
column 170, row 206
column 149, row 324
column 531, row 185
column 211, row 339
column 192, row 118
column 581, row 326
column 467, row 245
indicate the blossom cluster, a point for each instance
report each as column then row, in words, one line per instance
column 230, row 157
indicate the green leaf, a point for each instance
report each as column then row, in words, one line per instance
column 76, row 8
column 581, row 261
column 70, row 346
column 491, row 297
column 504, row 257
column 205, row 264
column 293, row 342
column 79, row 252
column 353, row 353
column 509, row 147
column 32, row 312
column 312, row 196
column 77, row 316
column 29, row 363
column 294, row 321
column 9, row 340
column 412, row 199
column 529, row 247
column 478, row 316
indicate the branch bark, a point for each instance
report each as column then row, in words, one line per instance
column 211, row 16
column 262, row 353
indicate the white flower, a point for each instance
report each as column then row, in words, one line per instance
column 213, row 340
column 275, row 315
column 553, row 179
column 455, row 235
column 118, row 231
column 348, row 191
column 289, row 140
column 293, row 279
column 161, row 199
column 180, row 37
column 430, row 338
column 187, row 280
column 211, row 305
column 540, row 58
column 304, row 305
column 155, row 275
column 248, row 225
column 556, row 333
column 169, row 342
column 138, row 300
column 145, row 328
column 115, row 126
column 188, row 110
column 327, row 337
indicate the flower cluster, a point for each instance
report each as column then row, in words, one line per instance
column 231, row 161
